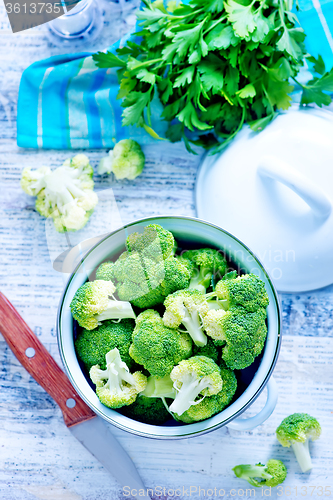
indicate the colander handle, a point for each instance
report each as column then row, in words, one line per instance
column 313, row 195
column 246, row 424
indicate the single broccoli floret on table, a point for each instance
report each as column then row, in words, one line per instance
column 92, row 345
column 187, row 307
column 65, row 194
column 116, row 386
column 247, row 291
column 154, row 242
column 194, row 378
column 296, row 431
column 211, row 405
column 242, row 335
column 94, row 302
column 105, row 271
column 147, row 410
column 271, row 474
column 210, row 350
column 126, row 160
column 157, row 347
column 208, row 263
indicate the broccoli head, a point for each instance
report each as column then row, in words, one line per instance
column 154, row 242
column 157, row 347
column 247, row 291
column 105, row 271
column 208, row 263
column 242, row 335
column 94, row 302
column 65, row 194
column 196, row 377
column 271, row 474
column 92, row 345
column 126, row 160
column 296, row 431
column 187, row 307
column 211, row 405
column 147, row 410
column 116, row 386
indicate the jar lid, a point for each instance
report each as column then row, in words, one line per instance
column 274, row 190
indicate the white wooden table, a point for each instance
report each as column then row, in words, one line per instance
column 39, row 458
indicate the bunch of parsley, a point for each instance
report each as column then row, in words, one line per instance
column 215, row 64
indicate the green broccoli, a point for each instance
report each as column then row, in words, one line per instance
column 208, row 263
column 271, row 474
column 154, row 242
column 210, row 350
column 296, row 431
column 187, row 307
column 247, row 291
column 116, row 386
column 92, row 345
column 160, row 387
column 211, row 405
column 126, row 160
column 105, row 271
column 94, row 302
column 195, row 377
column 65, row 194
column 242, row 335
column 147, row 410
column 157, row 347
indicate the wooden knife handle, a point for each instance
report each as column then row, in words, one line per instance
column 41, row 366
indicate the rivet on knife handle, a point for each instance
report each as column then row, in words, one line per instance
column 39, row 363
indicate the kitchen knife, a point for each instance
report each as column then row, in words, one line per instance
column 84, row 424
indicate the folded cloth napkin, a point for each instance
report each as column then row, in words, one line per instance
column 66, row 102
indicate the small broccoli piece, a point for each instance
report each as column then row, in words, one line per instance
column 105, row 271
column 194, row 377
column 65, row 194
column 242, row 335
column 154, row 242
column 271, row 474
column 147, row 410
column 210, row 350
column 296, row 431
column 116, row 386
column 93, row 302
column 92, row 345
column 208, row 263
column 247, row 291
column 187, row 307
column 126, row 160
column 211, row 405
column 157, row 347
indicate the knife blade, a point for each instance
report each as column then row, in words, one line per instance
column 83, row 423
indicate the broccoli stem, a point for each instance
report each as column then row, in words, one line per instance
column 189, row 391
column 116, row 309
column 160, row 388
column 250, row 472
column 302, row 454
column 201, row 281
column 194, row 328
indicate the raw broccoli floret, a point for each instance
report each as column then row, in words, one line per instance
column 208, row 263
column 154, row 242
column 66, row 194
column 194, row 378
column 212, row 404
column 296, row 431
column 105, row 271
column 157, row 347
column 94, row 302
column 210, row 350
column 116, row 386
column 271, row 474
column 92, row 345
column 126, row 160
column 187, row 307
column 247, row 291
column 242, row 335
column 147, row 410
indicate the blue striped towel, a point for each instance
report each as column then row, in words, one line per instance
column 66, row 102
